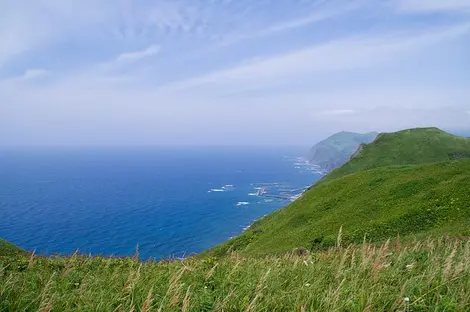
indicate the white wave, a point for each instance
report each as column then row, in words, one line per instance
column 217, row 190
column 242, row 203
column 253, row 194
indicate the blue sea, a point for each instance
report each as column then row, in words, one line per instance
column 171, row 202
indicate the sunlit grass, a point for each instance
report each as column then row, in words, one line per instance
column 424, row 200
column 430, row 274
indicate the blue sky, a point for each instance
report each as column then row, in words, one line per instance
column 236, row 72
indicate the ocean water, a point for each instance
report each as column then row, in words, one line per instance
column 171, row 202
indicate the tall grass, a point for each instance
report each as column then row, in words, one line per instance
column 426, row 275
column 422, row 200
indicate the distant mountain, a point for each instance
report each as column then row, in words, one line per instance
column 336, row 150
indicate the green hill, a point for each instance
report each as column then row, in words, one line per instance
column 413, row 146
column 337, row 149
column 382, row 192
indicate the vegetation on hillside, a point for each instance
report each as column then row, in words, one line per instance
column 380, row 193
column 432, row 274
column 337, row 149
column 407, row 147
column 379, row 204
column 8, row 249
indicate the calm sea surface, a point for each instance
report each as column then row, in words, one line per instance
column 170, row 202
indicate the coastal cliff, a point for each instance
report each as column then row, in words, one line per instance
column 336, row 150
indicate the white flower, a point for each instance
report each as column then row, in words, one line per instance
column 307, row 284
column 407, row 300
column 409, row 266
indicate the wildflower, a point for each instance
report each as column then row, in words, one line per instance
column 406, row 300
column 307, row 284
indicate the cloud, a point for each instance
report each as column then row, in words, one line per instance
column 27, row 26
column 327, row 69
column 320, row 14
column 336, row 112
column 366, row 51
column 107, row 117
column 29, row 75
column 117, row 70
column 432, row 5
column 34, row 73
column 392, row 119
column 137, row 55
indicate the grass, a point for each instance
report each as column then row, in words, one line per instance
column 379, row 203
column 434, row 274
column 407, row 147
column 8, row 249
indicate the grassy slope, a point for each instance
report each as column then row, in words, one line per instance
column 379, row 203
column 433, row 274
column 7, row 249
column 414, row 146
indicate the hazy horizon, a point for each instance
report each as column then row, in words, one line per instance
column 229, row 73
column 302, row 147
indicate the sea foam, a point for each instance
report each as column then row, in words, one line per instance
column 242, row 203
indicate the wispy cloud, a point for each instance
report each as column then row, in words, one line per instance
column 34, row 73
column 137, row 55
column 362, row 51
column 159, row 72
column 29, row 75
column 26, row 26
column 433, row 5
column 320, row 13
column 336, row 112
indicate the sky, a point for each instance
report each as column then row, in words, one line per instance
column 229, row 72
